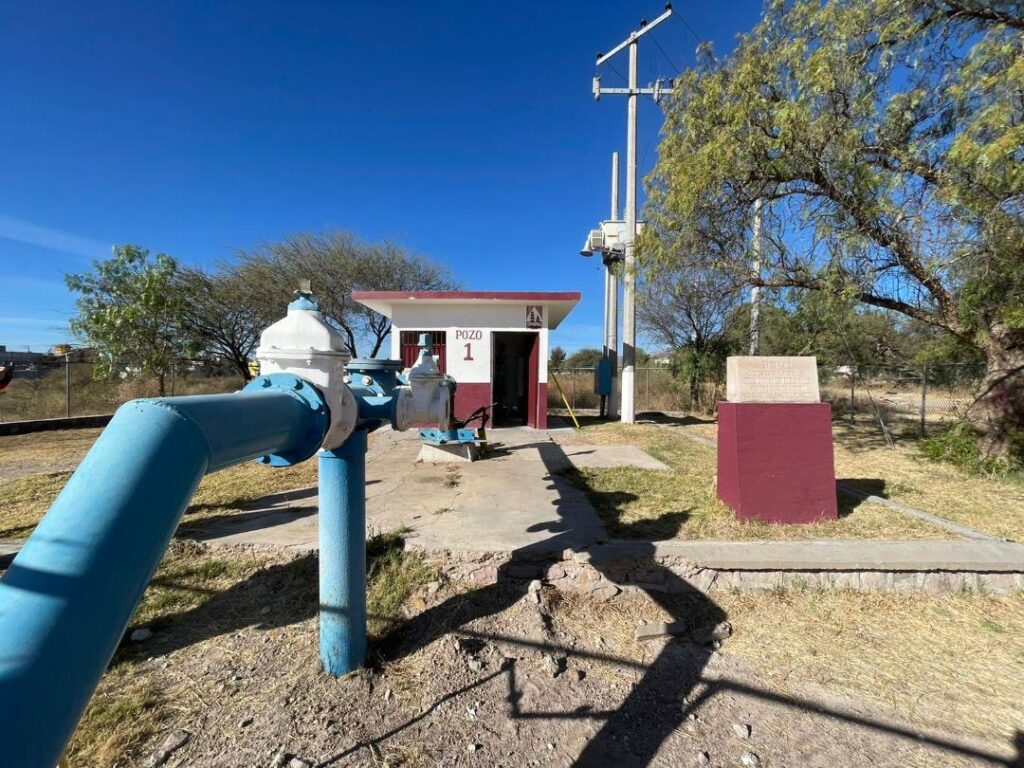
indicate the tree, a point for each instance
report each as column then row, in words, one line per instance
column 128, row 309
column 557, row 359
column 886, row 138
column 688, row 310
column 220, row 317
column 588, row 357
column 338, row 263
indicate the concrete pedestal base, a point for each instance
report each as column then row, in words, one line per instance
column 453, row 453
column 775, row 461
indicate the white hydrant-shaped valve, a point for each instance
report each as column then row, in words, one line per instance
column 427, row 398
column 303, row 344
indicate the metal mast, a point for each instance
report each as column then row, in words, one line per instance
column 629, row 275
column 611, row 297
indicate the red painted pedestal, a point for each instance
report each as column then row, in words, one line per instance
column 775, row 461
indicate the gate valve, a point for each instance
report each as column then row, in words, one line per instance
column 427, row 397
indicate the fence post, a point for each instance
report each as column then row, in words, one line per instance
column 924, row 396
column 853, row 383
column 647, row 398
column 67, row 387
column 574, row 389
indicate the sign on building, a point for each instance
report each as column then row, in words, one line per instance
column 534, row 316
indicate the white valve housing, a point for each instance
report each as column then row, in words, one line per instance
column 427, row 399
column 303, row 344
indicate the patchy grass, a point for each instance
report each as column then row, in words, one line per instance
column 125, row 712
column 49, row 448
column 948, row 662
column 25, row 500
column 954, row 660
column 650, row 504
column 210, row 595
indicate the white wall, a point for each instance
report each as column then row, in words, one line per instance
column 470, row 324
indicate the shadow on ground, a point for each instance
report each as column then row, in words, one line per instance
column 630, row 734
column 862, row 487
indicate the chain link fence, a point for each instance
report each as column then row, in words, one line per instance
column 57, row 388
column 892, row 398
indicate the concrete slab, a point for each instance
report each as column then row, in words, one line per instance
column 831, row 555
column 512, row 500
column 610, row 457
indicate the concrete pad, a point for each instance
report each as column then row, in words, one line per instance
column 511, row 500
column 455, row 453
column 822, row 555
column 610, row 457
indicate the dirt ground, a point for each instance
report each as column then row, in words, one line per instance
column 497, row 675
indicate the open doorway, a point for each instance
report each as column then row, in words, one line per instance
column 514, row 379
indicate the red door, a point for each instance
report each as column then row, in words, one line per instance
column 533, row 401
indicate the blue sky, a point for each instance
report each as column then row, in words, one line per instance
column 464, row 131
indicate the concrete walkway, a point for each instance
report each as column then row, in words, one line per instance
column 512, row 500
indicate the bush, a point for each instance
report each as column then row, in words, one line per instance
column 958, row 445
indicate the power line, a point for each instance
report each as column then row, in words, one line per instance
column 687, row 25
column 670, row 62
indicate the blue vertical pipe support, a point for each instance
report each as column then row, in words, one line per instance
column 343, row 556
column 69, row 594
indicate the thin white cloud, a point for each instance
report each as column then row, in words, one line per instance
column 33, row 234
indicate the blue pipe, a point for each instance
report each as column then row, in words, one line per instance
column 68, row 596
column 343, row 556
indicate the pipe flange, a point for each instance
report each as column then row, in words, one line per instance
column 307, row 394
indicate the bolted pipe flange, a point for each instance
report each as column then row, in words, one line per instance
column 307, row 394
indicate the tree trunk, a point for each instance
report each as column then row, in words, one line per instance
column 160, row 389
column 998, row 410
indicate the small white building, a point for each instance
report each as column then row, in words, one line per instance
column 493, row 343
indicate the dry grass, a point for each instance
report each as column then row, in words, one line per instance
column 994, row 505
column 25, row 501
column 948, row 662
column 56, row 447
column 639, row 503
column 27, row 497
column 138, row 695
column 955, row 660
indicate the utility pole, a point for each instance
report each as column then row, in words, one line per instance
column 755, row 290
column 612, row 298
column 629, row 275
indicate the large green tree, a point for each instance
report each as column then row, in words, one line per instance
column 129, row 310
column 886, row 138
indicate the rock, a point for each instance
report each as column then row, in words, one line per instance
column 579, row 675
column 749, row 758
column 551, row 747
column 297, row 762
column 713, row 633
column 657, row 629
column 742, row 730
column 555, row 665
column 604, row 591
column 703, row 758
column 432, row 587
column 475, row 664
column 279, row 760
column 141, row 634
column 472, row 747
column 246, row 722
column 534, row 586
column 174, row 741
column 387, row 694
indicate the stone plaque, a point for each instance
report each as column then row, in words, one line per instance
column 771, row 380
